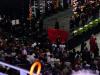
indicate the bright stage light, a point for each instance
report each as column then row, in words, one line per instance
column 80, row 28
column 96, row 20
column 86, row 26
column 75, row 31
column 91, row 23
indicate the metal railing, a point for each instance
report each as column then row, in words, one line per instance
column 22, row 71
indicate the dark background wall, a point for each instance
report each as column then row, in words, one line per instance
column 14, row 7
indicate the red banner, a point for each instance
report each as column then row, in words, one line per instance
column 53, row 34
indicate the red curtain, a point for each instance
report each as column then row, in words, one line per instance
column 53, row 34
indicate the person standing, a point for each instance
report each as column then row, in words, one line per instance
column 41, row 24
column 82, row 19
column 77, row 20
column 72, row 23
column 93, row 45
column 56, row 24
column 38, row 13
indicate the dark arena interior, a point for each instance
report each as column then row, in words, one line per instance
column 62, row 37
column 14, row 7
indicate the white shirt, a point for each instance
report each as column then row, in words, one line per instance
column 34, row 44
column 52, row 60
column 48, row 59
column 54, row 45
column 48, row 53
column 62, row 47
column 31, row 58
column 24, row 52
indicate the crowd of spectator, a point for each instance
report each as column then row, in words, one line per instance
column 83, row 13
column 55, row 58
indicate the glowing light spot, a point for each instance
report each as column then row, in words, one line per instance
column 86, row 26
column 33, row 67
column 75, row 31
column 80, row 28
column 91, row 23
column 96, row 20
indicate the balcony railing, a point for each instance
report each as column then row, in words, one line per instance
column 22, row 71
